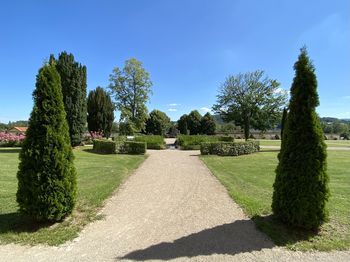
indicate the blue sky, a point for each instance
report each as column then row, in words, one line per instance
column 189, row 47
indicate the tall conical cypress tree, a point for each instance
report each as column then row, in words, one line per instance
column 46, row 176
column 301, row 184
column 73, row 82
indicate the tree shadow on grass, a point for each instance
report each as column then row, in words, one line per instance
column 10, row 150
column 227, row 239
column 280, row 233
column 18, row 223
column 90, row 150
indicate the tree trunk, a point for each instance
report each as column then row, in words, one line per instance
column 246, row 128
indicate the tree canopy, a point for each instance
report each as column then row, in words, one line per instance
column 208, row 125
column 250, row 100
column 158, row 123
column 131, row 88
column 100, row 112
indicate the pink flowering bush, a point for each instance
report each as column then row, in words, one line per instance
column 10, row 139
column 89, row 137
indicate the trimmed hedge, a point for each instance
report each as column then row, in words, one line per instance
column 104, row 146
column 152, row 141
column 193, row 142
column 133, row 147
column 229, row 148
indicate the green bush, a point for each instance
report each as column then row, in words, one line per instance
column 105, row 146
column 193, row 142
column 133, row 147
column 153, row 142
column 226, row 138
column 46, row 173
column 229, row 148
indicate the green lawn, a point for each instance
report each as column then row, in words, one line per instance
column 98, row 177
column 249, row 181
column 330, row 143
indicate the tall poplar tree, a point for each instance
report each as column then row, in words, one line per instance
column 73, row 82
column 301, row 184
column 46, row 175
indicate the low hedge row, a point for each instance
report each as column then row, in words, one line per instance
column 229, row 148
column 105, row 146
column 133, row 147
column 152, row 141
column 193, row 142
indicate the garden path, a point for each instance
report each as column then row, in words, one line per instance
column 170, row 208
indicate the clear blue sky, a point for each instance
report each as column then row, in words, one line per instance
column 189, row 47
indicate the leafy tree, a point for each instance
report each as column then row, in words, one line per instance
column 131, row 88
column 194, row 122
column 126, row 129
column 182, row 124
column 284, row 119
column 46, row 176
column 301, row 183
column 73, row 81
column 208, row 125
column 100, row 112
column 250, row 100
column 158, row 123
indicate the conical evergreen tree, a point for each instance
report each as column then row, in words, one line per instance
column 46, row 176
column 73, row 82
column 301, row 184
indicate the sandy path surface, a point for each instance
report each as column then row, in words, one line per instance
column 170, row 208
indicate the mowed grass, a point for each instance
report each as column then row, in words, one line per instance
column 249, row 180
column 330, row 143
column 98, row 176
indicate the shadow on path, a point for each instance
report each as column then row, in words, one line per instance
column 227, row 239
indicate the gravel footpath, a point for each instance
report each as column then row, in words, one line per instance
column 170, row 208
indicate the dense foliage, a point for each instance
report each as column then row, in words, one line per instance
column 100, row 112
column 104, row 146
column 229, row 148
column 194, row 122
column 158, row 123
column 152, row 142
column 133, row 147
column 131, row 88
column 46, row 175
column 73, row 82
column 284, row 119
column 182, row 125
column 208, row 125
column 193, row 142
column 301, row 184
column 250, row 100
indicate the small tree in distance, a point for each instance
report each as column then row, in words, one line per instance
column 100, row 112
column 250, row 100
column 208, row 125
column 46, row 175
column 158, row 123
column 182, row 124
column 301, row 184
column 194, row 122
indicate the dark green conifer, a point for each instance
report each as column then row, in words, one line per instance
column 46, row 176
column 73, row 82
column 284, row 119
column 301, row 185
column 100, row 112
